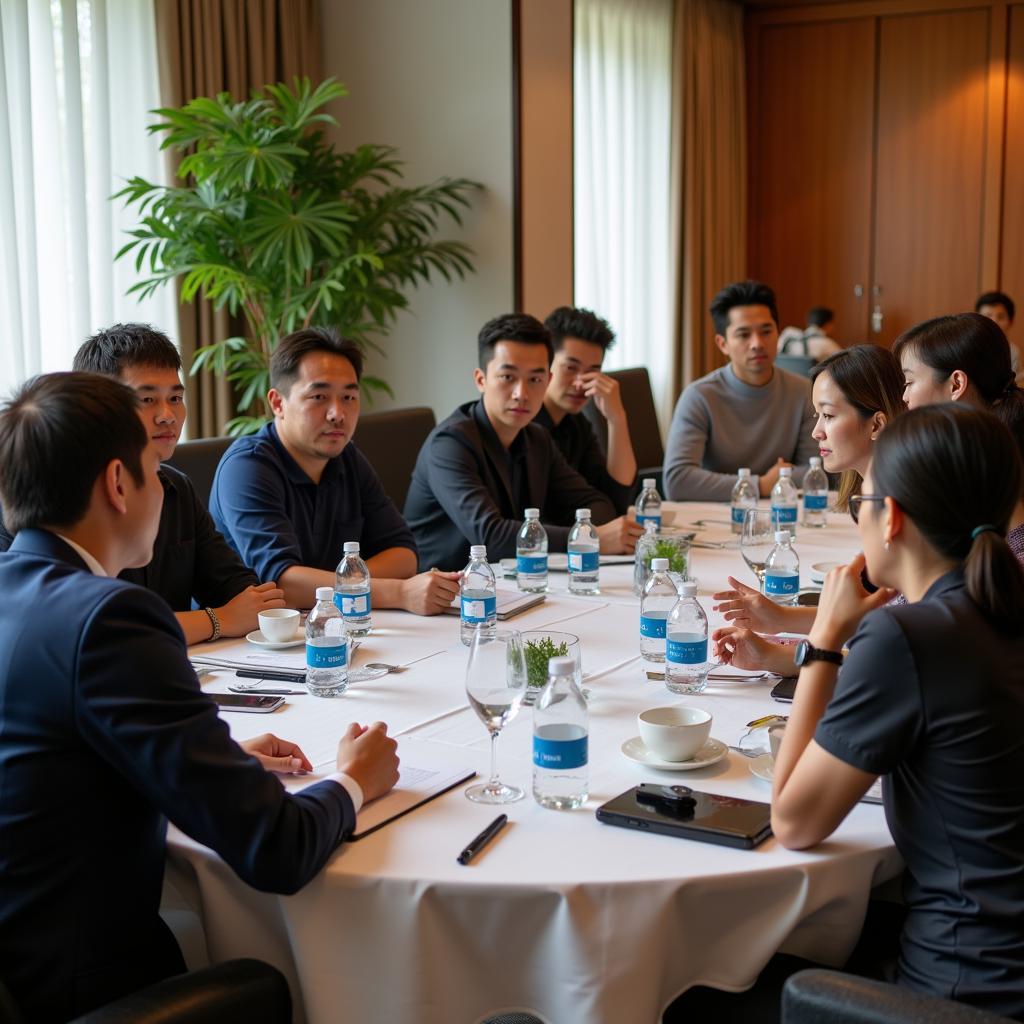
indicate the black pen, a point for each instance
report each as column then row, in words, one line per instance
column 265, row 673
column 483, row 839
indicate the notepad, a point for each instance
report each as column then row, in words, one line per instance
column 509, row 604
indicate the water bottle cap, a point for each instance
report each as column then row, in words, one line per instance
column 744, row 472
column 325, row 593
column 659, row 564
column 478, row 551
column 649, row 483
column 583, row 513
column 816, row 461
column 533, row 513
column 562, row 667
column 351, row 547
column 688, row 589
column 782, row 535
column 785, row 471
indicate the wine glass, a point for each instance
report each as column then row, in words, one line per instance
column 757, row 540
column 495, row 686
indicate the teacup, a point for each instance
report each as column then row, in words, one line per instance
column 278, row 625
column 775, row 738
column 674, row 733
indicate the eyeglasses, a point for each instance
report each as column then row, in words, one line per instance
column 856, row 500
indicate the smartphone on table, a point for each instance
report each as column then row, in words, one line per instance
column 255, row 703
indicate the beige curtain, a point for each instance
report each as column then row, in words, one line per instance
column 709, row 170
column 211, row 46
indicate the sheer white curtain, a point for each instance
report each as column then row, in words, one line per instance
column 622, row 130
column 77, row 78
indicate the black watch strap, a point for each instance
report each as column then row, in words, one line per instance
column 808, row 653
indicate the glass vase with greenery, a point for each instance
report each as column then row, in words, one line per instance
column 274, row 223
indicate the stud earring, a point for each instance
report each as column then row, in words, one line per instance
column 887, row 546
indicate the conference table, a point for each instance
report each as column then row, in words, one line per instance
column 562, row 916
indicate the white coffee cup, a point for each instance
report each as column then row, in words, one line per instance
column 278, row 625
column 674, row 733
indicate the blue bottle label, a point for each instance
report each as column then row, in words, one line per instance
column 560, row 755
column 781, row 583
column 478, row 609
column 649, row 519
column 784, row 514
column 583, row 561
column 333, row 655
column 815, row 502
column 682, row 652
column 652, row 626
column 531, row 564
column 739, row 513
column 353, row 605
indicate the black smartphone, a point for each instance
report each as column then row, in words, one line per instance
column 784, row 690
column 706, row 817
column 260, row 705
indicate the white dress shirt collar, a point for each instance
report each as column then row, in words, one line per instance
column 93, row 565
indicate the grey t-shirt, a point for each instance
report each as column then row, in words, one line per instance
column 932, row 697
column 721, row 424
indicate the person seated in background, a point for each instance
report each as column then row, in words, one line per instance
column 857, row 393
column 1000, row 308
column 581, row 339
column 747, row 413
column 106, row 732
column 191, row 560
column 289, row 497
column 486, row 463
column 931, row 698
column 816, row 341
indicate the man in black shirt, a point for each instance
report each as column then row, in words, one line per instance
column 191, row 560
column 581, row 339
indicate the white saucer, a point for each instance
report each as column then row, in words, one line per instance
column 711, row 753
column 821, row 569
column 256, row 637
column 763, row 767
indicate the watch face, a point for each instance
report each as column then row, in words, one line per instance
column 801, row 652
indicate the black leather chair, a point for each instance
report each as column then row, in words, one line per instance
column 831, row 997
column 800, row 365
column 391, row 441
column 248, row 990
column 644, row 431
column 198, row 460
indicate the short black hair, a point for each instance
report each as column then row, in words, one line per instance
column 284, row 363
column 58, row 433
column 996, row 299
column 818, row 316
column 521, row 327
column 113, row 349
column 741, row 293
column 570, row 322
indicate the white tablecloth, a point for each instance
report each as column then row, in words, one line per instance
column 562, row 916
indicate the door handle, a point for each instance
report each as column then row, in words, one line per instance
column 876, row 319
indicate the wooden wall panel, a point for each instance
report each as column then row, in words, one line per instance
column 1012, row 276
column 932, row 91
column 810, row 167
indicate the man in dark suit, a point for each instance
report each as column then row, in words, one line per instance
column 483, row 466
column 106, row 733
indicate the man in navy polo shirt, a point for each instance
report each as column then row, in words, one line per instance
column 289, row 497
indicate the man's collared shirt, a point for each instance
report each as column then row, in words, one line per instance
column 275, row 516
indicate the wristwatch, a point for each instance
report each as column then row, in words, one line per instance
column 805, row 654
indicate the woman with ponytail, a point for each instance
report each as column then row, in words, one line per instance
column 931, row 696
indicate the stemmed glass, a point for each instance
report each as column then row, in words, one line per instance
column 757, row 540
column 495, row 685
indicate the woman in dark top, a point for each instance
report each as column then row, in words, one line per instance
column 931, row 697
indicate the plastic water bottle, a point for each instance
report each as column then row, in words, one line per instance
column 532, row 554
column 659, row 598
column 352, row 591
column 686, row 647
column 584, row 555
column 815, row 495
column 782, row 571
column 642, row 560
column 326, row 647
column 785, row 501
column 560, row 740
column 479, row 599
column 744, row 496
column 648, row 505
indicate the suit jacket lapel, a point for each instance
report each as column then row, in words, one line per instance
column 494, row 453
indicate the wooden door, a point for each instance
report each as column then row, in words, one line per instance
column 811, row 114
column 930, row 166
column 1012, row 275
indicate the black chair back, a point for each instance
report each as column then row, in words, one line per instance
column 391, row 441
column 800, row 365
column 198, row 460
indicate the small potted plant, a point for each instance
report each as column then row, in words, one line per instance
column 541, row 646
column 673, row 546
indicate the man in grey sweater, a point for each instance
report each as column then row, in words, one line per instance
column 749, row 413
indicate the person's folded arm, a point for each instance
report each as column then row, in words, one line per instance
column 685, row 478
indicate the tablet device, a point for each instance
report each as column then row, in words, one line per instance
column 706, row 817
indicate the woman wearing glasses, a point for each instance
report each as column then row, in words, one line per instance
column 931, row 696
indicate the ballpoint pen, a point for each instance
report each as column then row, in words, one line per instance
column 483, row 839
column 265, row 673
